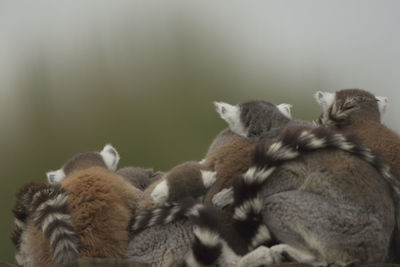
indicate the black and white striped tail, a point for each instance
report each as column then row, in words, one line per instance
column 47, row 206
column 50, row 214
column 22, row 211
column 207, row 244
column 163, row 214
column 269, row 155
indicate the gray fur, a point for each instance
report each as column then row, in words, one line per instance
column 139, row 177
column 224, row 137
column 260, row 117
column 313, row 204
column 169, row 245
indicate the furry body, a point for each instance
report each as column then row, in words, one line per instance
column 355, row 111
column 315, row 202
column 86, row 216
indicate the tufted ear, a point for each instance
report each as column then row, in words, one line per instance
column 285, row 109
column 231, row 114
column 55, row 176
column 382, row 103
column 325, row 99
column 227, row 112
column 110, row 157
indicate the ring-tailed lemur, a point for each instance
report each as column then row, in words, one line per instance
column 83, row 212
column 42, row 208
column 335, row 200
column 355, row 111
column 189, row 179
column 229, row 153
column 196, row 244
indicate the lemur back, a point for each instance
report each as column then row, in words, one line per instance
column 94, row 201
column 355, row 111
column 300, row 187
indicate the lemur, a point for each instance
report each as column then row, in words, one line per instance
column 229, row 154
column 166, row 241
column 248, row 122
column 324, row 196
column 359, row 112
column 84, row 211
column 355, row 111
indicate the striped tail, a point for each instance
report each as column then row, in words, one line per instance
column 21, row 211
column 269, row 155
column 47, row 206
column 207, row 244
column 50, row 214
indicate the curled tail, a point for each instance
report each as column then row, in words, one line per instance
column 21, row 211
column 269, row 155
column 47, row 206
column 207, row 245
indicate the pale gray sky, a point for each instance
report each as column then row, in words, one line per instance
column 309, row 44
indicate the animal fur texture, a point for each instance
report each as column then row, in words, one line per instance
column 358, row 112
column 195, row 241
column 295, row 143
column 84, row 212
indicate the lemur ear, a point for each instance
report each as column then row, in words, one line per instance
column 325, row 99
column 285, row 109
column 228, row 113
column 382, row 103
column 55, row 176
column 110, row 157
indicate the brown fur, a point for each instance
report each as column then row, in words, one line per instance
column 183, row 180
column 228, row 160
column 83, row 161
column 35, row 246
column 139, row 177
column 365, row 123
column 100, row 202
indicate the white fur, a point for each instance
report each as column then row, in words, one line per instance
column 66, row 245
column 206, row 236
column 55, row 176
column 285, row 109
column 19, row 223
column 278, row 151
column 259, row 257
column 52, row 217
column 262, row 236
column 110, row 159
column 257, row 176
column 59, row 231
column 382, row 103
column 242, row 211
column 299, row 255
column 58, row 201
column 325, row 99
column 312, row 141
column 171, row 216
column 223, row 198
column 202, row 161
column 160, row 192
column 208, row 178
column 231, row 114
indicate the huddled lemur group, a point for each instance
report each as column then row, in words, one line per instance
column 269, row 190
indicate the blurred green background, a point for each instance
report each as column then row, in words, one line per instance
column 142, row 75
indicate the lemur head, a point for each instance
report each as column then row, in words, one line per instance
column 350, row 105
column 254, row 118
column 107, row 158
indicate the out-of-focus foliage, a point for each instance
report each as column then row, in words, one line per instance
column 142, row 76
